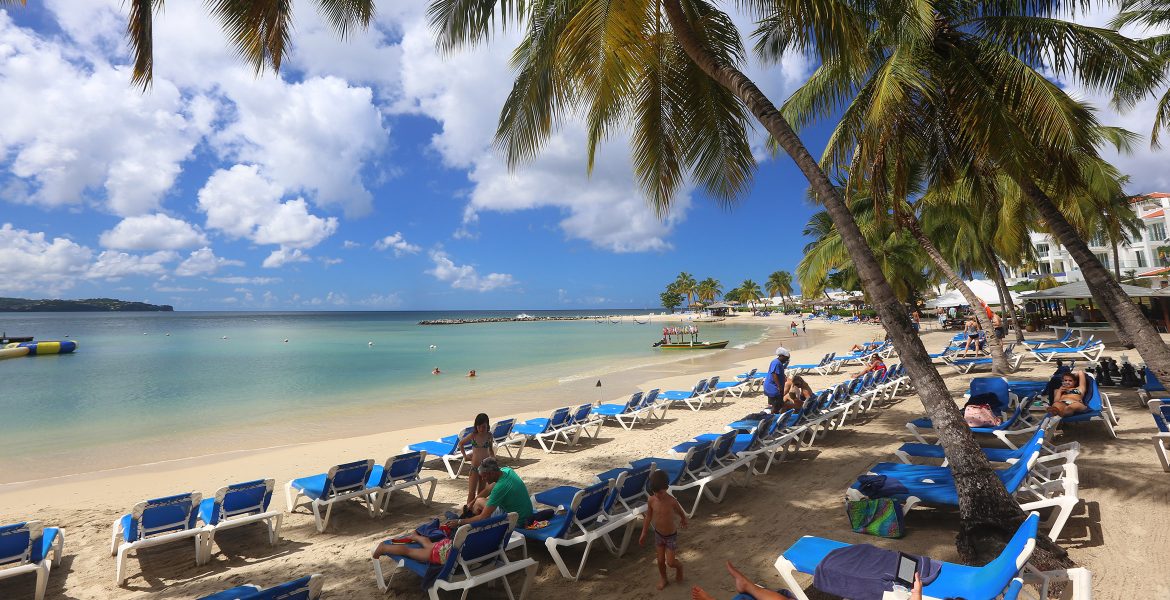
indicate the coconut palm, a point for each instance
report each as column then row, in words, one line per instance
column 960, row 86
column 750, row 292
column 708, row 289
column 780, row 284
column 685, row 284
column 671, row 74
column 1152, row 14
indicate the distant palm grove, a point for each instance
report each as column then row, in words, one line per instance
column 952, row 133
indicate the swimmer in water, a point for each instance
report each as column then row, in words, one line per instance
column 436, row 371
column 471, row 373
column 433, row 346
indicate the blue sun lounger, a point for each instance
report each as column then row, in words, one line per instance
column 1099, row 407
column 1090, row 351
column 584, row 522
column 683, row 395
column 241, row 504
column 543, row 429
column 399, row 473
column 628, row 494
column 30, row 547
column 972, row 583
column 445, row 449
column 1161, row 413
column 342, row 482
column 156, row 522
column 478, row 555
column 305, row 588
column 1064, row 340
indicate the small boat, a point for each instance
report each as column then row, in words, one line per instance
column 44, row 347
column 686, row 338
column 5, row 340
column 692, row 345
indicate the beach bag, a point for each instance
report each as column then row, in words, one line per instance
column 980, row 415
column 876, row 516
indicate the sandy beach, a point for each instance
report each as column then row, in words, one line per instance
column 1119, row 531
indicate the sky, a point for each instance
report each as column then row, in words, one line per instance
column 362, row 177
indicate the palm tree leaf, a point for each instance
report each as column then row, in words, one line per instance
column 346, row 15
column 261, row 30
column 461, row 23
column 140, row 30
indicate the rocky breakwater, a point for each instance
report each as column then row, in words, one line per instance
column 523, row 318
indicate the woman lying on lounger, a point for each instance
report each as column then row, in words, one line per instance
column 1069, row 398
column 430, row 552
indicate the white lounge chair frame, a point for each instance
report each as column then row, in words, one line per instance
column 42, row 568
column 272, row 519
column 148, row 538
column 363, row 493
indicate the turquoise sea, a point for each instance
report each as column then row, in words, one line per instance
column 151, row 377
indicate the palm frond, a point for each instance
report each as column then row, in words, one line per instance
column 461, row 23
column 140, row 31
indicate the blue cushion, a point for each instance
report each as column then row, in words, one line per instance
column 207, row 512
column 610, row 410
column 236, row 593
column 556, row 527
column 48, row 536
column 531, row 427
column 433, row 448
column 562, row 495
column 924, row 422
column 672, row 467
column 312, row 486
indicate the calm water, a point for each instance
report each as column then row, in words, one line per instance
column 147, row 375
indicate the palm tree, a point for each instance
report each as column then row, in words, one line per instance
column 1149, row 14
column 750, row 292
column 685, row 285
column 959, row 85
column 677, row 81
column 780, row 284
column 708, row 289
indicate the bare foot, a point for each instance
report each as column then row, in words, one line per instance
column 697, row 593
column 742, row 585
column 662, row 583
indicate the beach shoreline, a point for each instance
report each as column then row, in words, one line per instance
column 801, row 496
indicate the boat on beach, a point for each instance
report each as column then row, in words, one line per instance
column 692, row 345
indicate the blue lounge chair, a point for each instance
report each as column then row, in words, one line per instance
column 1017, row 423
column 580, row 420
column 341, row 483
column 30, row 547
column 1034, row 491
column 1090, row 351
column 1065, row 452
column 478, row 555
column 1099, row 407
column 502, row 438
column 156, row 522
column 305, row 588
column 1161, row 412
column 682, row 395
column 611, row 411
column 706, row 468
column 241, row 504
column 400, row 472
column 973, row 583
column 546, row 432
column 1064, row 340
column 628, row 494
column 584, row 522
column 966, row 365
column 445, row 449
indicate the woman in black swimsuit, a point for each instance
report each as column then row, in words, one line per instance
column 1069, row 398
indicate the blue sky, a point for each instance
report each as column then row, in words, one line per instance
column 361, row 178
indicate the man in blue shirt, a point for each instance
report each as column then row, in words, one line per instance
column 775, row 380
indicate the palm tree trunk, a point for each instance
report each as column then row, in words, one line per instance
column 1116, row 257
column 1005, row 295
column 999, row 363
column 986, row 509
column 1114, row 302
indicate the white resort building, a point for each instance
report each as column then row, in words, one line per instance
column 1147, row 254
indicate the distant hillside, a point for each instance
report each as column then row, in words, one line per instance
column 89, row 305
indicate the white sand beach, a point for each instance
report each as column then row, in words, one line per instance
column 1120, row 531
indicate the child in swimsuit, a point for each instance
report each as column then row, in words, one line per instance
column 421, row 549
column 661, row 508
column 1069, row 398
column 480, row 440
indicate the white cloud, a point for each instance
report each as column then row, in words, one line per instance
column 329, row 262
column 381, row 300
column 397, row 243
column 152, row 232
column 204, row 262
column 175, row 289
column 31, row 263
column 350, row 245
column 238, row 280
column 75, row 130
column 283, row 256
column 465, row 277
column 242, row 203
column 113, row 265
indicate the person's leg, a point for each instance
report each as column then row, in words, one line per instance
column 661, row 566
column 472, row 486
column 422, row 554
column 672, row 560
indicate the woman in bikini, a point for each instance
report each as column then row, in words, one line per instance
column 1069, row 399
column 480, row 440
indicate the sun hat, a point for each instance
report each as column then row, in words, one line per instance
column 489, row 465
column 782, row 351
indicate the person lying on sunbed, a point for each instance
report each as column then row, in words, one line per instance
column 747, row 588
column 1069, row 398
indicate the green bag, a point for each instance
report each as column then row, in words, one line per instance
column 876, row 516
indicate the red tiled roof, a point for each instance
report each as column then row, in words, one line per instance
column 1155, row 272
column 1154, row 214
column 1149, row 196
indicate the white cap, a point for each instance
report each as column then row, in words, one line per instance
column 782, row 351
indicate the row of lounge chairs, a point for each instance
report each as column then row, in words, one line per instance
column 1044, row 351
